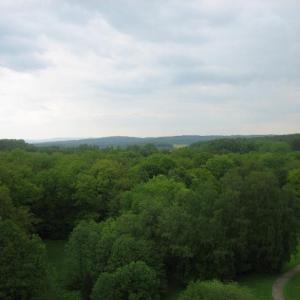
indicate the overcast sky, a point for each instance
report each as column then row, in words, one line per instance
column 74, row 68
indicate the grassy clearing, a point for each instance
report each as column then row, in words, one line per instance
column 55, row 254
column 292, row 288
column 55, row 257
column 178, row 146
column 259, row 285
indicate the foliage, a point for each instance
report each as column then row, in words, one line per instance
column 23, row 272
column 81, row 264
column 217, row 209
column 7, row 144
column 292, row 288
column 135, row 281
column 214, row 290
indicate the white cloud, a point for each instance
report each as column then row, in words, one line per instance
column 95, row 68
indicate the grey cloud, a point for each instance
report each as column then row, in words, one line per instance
column 20, row 52
column 19, row 46
column 159, row 21
column 177, row 61
column 205, row 58
column 210, row 77
column 24, row 62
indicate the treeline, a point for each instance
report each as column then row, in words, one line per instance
column 141, row 218
column 7, row 144
column 278, row 143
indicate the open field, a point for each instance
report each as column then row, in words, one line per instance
column 55, row 256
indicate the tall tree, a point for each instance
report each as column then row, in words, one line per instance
column 23, row 272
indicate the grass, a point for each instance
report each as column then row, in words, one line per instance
column 292, row 288
column 178, row 146
column 259, row 285
column 55, row 254
column 55, row 257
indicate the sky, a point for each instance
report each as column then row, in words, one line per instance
column 73, row 68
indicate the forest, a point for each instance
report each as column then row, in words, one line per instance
column 139, row 220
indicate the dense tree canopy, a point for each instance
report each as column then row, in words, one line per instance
column 140, row 218
column 135, row 281
column 22, row 264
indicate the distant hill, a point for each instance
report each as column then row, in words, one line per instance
column 52, row 140
column 211, row 143
column 166, row 142
column 125, row 141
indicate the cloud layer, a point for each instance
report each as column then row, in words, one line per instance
column 76, row 68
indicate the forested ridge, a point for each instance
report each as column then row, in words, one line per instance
column 140, row 219
column 166, row 142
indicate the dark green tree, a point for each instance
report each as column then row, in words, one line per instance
column 23, row 272
column 135, row 281
column 215, row 290
column 81, row 267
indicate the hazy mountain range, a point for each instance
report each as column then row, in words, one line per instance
column 125, row 141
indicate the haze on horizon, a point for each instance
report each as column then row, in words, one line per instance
column 71, row 68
